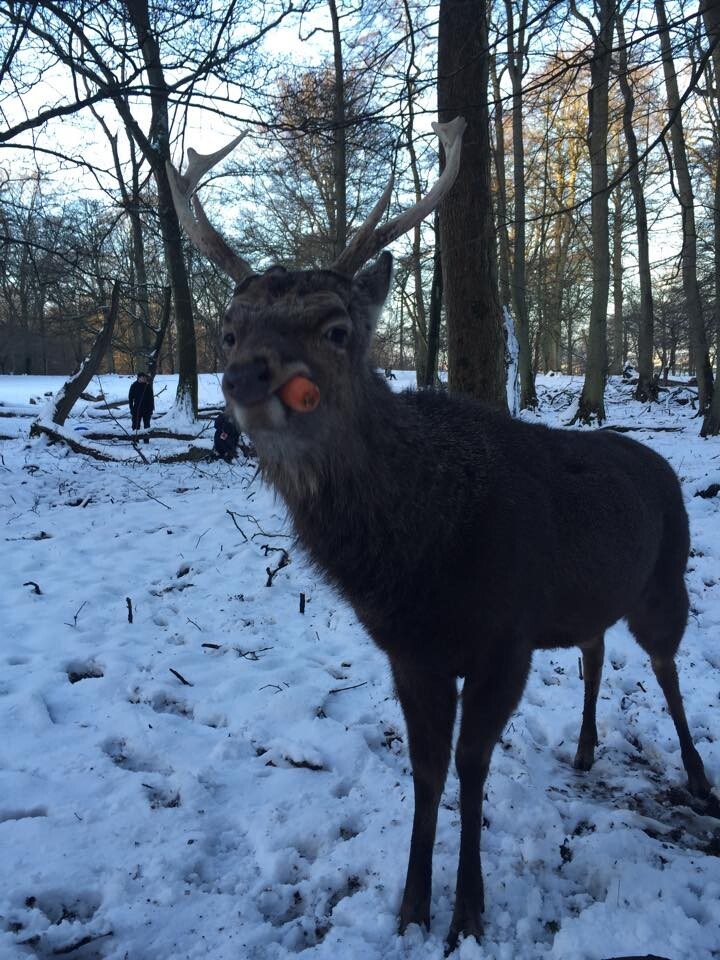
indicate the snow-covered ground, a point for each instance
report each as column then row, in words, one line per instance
column 224, row 776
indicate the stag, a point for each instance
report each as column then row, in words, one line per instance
column 463, row 539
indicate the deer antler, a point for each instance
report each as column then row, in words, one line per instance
column 370, row 238
column 205, row 237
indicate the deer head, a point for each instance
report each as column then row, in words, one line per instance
column 317, row 324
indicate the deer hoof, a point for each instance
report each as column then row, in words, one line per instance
column 465, row 927
column 585, row 757
column 414, row 914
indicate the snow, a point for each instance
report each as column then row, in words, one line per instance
column 262, row 808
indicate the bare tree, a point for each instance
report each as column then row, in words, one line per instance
column 592, row 402
column 685, row 196
column 518, row 43
column 646, row 386
column 467, row 230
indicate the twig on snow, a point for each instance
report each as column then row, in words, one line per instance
column 181, row 678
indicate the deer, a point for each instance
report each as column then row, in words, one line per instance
column 464, row 539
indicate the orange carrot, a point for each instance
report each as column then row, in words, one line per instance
column 300, row 394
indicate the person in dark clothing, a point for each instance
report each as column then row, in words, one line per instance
column 226, row 438
column 142, row 402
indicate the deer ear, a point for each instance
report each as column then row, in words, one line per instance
column 369, row 290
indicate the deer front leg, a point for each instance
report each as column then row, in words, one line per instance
column 488, row 699
column 428, row 702
column 593, row 654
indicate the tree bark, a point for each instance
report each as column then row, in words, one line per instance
column 467, row 229
column 156, row 148
column 75, row 385
column 419, row 314
column 516, row 62
column 501, row 189
column 339, row 136
column 688, row 255
column 435, row 312
column 646, row 389
column 711, row 17
column 592, row 401
column 618, row 332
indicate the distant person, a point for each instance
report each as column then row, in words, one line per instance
column 142, row 402
column 226, row 438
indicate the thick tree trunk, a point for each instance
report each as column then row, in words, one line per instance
column 476, row 345
column 688, row 256
column 592, row 401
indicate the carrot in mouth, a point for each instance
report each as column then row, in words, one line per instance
column 300, row 394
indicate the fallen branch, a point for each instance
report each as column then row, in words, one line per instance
column 39, row 429
column 622, row 428
column 191, row 455
column 150, row 434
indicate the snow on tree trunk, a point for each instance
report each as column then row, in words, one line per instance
column 512, row 365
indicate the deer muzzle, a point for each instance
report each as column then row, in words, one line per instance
column 247, row 383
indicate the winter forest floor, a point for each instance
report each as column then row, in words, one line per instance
column 226, row 777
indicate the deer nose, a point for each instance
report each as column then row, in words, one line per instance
column 247, row 383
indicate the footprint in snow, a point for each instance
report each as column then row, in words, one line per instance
column 162, row 703
column 83, row 670
column 70, row 921
column 126, row 757
column 160, row 797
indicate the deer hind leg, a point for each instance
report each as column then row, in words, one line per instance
column 658, row 626
column 666, row 673
column 488, row 699
column 593, row 654
column 428, row 702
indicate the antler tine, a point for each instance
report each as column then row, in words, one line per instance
column 204, row 236
column 370, row 238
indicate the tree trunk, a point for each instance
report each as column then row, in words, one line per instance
column 339, row 137
column 592, row 400
column 688, row 256
column 476, row 346
column 711, row 420
column 154, row 353
column 435, row 312
column 420, row 318
column 159, row 143
column 646, row 389
column 618, row 333
column 75, row 385
column 516, row 62
column 501, row 190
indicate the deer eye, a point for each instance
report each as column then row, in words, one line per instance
column 338, row 335
column 229, row 339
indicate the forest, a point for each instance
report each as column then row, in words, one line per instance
column 360, row 500
column 588, row 185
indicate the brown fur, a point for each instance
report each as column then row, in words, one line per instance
column 463, row 539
